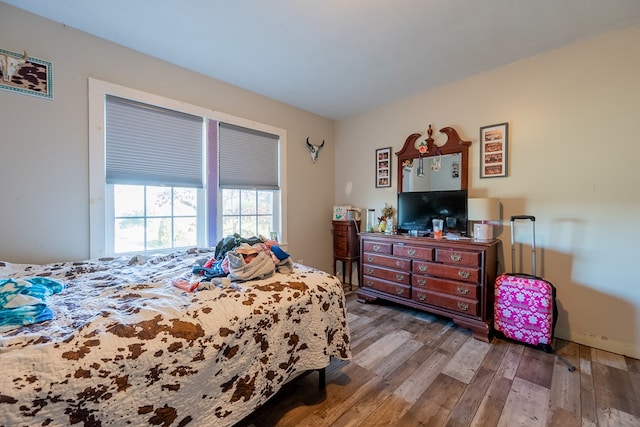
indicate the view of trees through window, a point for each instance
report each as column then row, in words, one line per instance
column 149, row 218
column 247, row 212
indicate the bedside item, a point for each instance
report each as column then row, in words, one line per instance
column 340, row 212
column 346, row 247
column 353, row 214
column 483, row 210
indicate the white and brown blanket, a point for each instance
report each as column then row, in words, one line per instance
column 125, row 347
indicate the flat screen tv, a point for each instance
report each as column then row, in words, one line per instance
column 417, row 209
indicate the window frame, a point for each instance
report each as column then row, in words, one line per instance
column 98, row 189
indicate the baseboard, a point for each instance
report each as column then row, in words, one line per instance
column 602, row 343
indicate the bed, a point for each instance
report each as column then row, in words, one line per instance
column 126, row 347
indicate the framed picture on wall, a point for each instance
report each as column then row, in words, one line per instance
column 493, row 150
column 27, row 75
column 383, row 167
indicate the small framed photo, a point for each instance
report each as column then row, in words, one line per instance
column 493, row 150
column 383, row 167
column 274, row 235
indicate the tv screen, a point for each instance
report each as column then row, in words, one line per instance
column 417, row 209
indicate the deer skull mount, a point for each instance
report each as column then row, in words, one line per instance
column 314, row 149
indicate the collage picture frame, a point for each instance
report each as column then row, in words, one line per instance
column 494, row 141
column 383, row 167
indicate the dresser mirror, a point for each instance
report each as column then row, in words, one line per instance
column 425, row 164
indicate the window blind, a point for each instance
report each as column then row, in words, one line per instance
column 151, row 145
column 248, row 158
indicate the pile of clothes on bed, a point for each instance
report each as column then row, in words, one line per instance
column 237, row 259
column 23, row 301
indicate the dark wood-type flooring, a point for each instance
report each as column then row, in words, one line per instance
column 411, row 368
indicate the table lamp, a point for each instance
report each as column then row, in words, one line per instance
column 483, row 210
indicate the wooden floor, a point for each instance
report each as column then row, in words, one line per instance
column 414, row 369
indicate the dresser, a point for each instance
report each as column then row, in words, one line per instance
column 451, row 278
column 346, row 247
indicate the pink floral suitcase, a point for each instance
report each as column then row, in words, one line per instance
column 525, row 307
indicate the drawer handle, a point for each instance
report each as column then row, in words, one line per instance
column 399, row 263
column 463, row 306
column 422, row 297
column 422, row 282
column 411, row 252
column 370, row 270
column 456, row 257
column 376, row 248
column 399, row 291
column 369, row 283
column 422, row 267
column 462, row 290
column 464, row 274
column 370, row 258
column 399, row 276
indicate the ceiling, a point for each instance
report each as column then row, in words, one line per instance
column 339, row 58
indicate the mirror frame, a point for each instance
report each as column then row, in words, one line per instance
column 453, row 145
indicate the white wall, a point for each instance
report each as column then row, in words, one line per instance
column 44, row 144
column 573, row 117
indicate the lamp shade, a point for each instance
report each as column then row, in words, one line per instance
column 483, row 209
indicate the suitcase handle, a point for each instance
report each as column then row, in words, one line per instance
column 532, row 219
column 529, row 217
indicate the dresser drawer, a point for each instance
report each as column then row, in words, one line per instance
column 377, row 247
column 340, row 231
column 449, row 256
column 387, row 287
column 388, row 261
column 388, row 274
column 427, row 283
column 461, row 305
column 413, row 252
column 340, row 246
column 467, row 274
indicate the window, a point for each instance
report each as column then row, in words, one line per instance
column 152, row 218
column 152, row 193
column 249, row 180
column 248, row 212
column 154, row 164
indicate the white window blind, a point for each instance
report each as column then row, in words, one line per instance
column 248, row 158
column 152, row 145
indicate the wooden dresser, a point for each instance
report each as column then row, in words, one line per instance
column 346, row 247
column 452, row 278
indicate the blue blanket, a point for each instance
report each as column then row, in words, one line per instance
column 23, row 301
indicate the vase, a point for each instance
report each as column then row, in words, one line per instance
column 382, row 226
column 389, row 226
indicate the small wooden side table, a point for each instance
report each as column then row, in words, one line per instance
column 346, row 247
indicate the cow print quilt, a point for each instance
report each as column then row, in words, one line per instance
column 125, row 347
